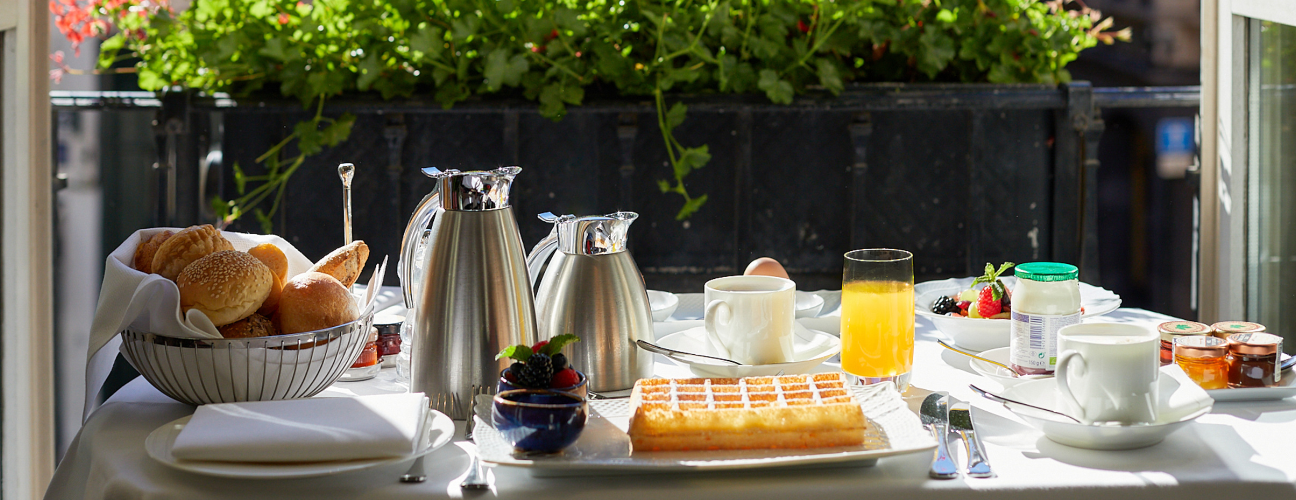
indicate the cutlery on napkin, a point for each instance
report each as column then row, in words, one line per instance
column 305, row 430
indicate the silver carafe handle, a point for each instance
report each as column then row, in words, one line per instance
column 427, row 209
column 540, row 255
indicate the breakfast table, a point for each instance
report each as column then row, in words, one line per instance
column 1238, row 450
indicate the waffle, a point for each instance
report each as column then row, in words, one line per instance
column 797, row 411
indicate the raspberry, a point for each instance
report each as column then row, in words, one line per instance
column 987, row 304
column 564, row 378
column 539, row 345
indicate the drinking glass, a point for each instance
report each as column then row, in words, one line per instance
column 877, row 311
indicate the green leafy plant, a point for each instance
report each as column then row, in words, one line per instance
column 557, row 51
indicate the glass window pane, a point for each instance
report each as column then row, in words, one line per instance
column 1273, row 223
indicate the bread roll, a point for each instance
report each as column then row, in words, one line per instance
column 273, row 258
column 186, row 246
column 314, row 301
column 271, row 304
column 143, row 261
column 255, row 325
column 344, row 263
column 227, row 286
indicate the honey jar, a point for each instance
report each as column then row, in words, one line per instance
column 1225, row 328
column 1171, row 330
column 1204, row 358
column 1253, row 359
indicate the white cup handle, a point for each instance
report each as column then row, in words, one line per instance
column 1063, row 365
column 709, row 316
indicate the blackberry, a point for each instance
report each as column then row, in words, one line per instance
column 529, row 379
column 944, row 305
column 559, row 362
column 539, row 369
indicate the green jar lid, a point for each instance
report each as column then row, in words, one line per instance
column 1047, row 271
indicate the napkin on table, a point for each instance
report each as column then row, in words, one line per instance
column 304, row 430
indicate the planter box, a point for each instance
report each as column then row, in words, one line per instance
column 961, row 175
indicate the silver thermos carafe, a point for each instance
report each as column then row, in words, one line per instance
column 471, row 296
column 592, row 288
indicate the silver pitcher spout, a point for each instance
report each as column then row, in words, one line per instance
column 469, row 294
column 592, row 288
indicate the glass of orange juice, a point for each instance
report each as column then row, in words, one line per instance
column 877, row 316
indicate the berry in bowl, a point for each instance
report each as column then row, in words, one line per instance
column 964, row 309
column 539, row 420
column 542, row 366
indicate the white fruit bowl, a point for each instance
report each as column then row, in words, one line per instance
column 983, row 334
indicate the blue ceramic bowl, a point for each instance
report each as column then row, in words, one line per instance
column 539, row 420
column 580, row 389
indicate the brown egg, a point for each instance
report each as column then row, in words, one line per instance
column 766, row 266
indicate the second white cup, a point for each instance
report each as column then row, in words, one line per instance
column 749, row 318
column 1107, row 372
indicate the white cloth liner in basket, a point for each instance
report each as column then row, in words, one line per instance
column 132, row 300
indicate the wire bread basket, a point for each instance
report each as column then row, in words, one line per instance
column 202, row 371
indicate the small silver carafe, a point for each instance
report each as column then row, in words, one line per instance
column 592, row 288
column 471, row 297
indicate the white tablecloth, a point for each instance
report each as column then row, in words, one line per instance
column 1240, row 450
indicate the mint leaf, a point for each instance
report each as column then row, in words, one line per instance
column 557, row 343
column 519, row 352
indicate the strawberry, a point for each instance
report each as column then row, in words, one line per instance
column 990, row 300
column 988, row 304
column 564, row 378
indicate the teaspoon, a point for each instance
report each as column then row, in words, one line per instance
column 680, row 355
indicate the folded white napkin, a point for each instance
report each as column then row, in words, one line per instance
column 304, row 430
column 151, row 303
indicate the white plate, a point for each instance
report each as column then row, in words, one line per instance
column 437, row 431
column 663, row 304
column 808, row 304
column 810, row 349
column 604, row 447
column 1190, row 402
column 999, row 373
column 982, row 334
column 1286, row 387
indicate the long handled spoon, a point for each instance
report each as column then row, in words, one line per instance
column 346, row 172
column 680, row 355
column 997, row 398
column 970, row 355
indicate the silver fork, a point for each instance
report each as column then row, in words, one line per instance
column 476, row 479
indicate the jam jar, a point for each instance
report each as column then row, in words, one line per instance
column 366, row 366
column 1225, row 328
column 1204, row 358
column 1253, row 359
column 389, row 340
column 1171, row 330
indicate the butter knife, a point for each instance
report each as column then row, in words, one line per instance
column 960, row 419
column 935, row 415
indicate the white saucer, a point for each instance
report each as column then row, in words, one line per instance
column 810, row 349
column 999, row 373
column 437, row 431
column 1180, row 401
column 1286, row 387
column 808, row 304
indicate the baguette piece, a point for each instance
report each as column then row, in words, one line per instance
column 798, row 411
column 345, row 263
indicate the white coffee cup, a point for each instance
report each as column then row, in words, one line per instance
column 1107, row 372
column 749, row 318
